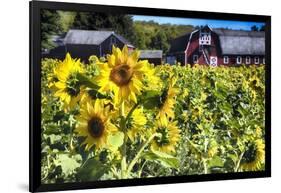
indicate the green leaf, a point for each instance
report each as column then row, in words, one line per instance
column 164, row 159
column 151, row 103
column 150, row 99
column 92, row 170
column 233, row 157
column 150, row 94
column 226, row 107
column 68, row 163
column 54, row 138
column 83, row 80
column 216, row 161
column 116, row 140
column 95, row 94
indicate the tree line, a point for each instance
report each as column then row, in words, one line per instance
column 142, row 34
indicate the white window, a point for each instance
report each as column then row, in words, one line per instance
column 239, row 60
column 257, row 60
column 248, row 60
column 225, row 60
column 205, row 38
column 263, row 60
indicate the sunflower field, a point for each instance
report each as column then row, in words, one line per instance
column 120, row 117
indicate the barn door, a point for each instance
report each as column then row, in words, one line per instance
column 213, row 61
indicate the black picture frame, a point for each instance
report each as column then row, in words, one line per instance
column 35, row 96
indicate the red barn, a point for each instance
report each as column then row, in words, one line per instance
column 215, row 47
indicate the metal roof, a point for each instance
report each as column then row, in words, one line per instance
column 151, row 53
column 90, row 37
column 238, row 42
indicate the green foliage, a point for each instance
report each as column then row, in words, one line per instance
column 66, row 19
column 120, row 23
column 151, row 35
column 219, row 112
column 164, row 159
column 50, row 25
column 116, row 140
column 142, row 34
column 91, row 170
column 219, row 115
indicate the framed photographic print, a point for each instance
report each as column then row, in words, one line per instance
column 123, row 96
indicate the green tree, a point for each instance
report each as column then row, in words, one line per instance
column 81, row 21
column 160, row 41
column 121, row 24
column 49, row 26
column 66, row 19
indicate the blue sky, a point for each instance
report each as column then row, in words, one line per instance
column 188, row 21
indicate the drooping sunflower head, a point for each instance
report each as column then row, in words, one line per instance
column 254, row 156
column 123, row 74
column 94, row 124
column 135, row 125
column 67, row 86
column 168, row 138
column 167, row 101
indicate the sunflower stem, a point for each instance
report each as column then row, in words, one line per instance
column 124, row 160
column 134, row 161
column 205, row 166
column 194, row 147
column 131, row 112
column 123, row 148
column 140, row 171
column 238, row 162
column 124, row 120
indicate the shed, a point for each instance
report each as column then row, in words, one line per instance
column 153, row 56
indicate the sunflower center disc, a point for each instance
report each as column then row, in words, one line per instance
column 121, row 75
column 95, row 127
column 73, row 86
column 163, row 98
column 164, row 139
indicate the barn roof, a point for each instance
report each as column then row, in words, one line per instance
column 151, row 53
column 238, row 42
column 232, row 42
column 179, row 44
column 90, row 37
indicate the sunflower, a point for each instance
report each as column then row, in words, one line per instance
column 136, row 124
column 170, row 135
column 123, row 74
column 67, row 86
column 167, row 101
column 254, row 156
column 254, row 82
column 212, row 148
column 94, row 124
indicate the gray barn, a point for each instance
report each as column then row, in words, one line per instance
column 84, row 43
